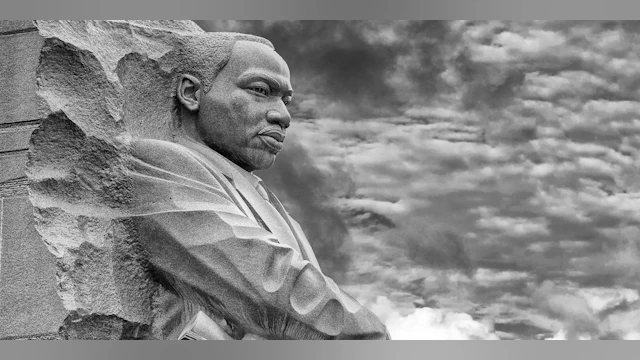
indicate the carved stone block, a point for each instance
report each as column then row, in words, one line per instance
column 18, row 64
column 9, row 26
column 29, row 303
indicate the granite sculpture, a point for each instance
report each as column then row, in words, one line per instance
column 143, row 188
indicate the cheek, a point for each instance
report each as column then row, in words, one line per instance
column 228, row 106
column 246, row 110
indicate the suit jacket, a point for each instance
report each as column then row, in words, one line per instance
column 218, row 245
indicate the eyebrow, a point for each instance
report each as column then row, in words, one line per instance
column 273, row 81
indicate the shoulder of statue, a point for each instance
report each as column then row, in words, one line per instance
column 152, row 148
column 168, row 156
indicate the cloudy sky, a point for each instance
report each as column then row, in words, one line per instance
column 468, row 179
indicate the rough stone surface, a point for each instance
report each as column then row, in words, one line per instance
column 18, row 64
column 8, row 26
column 100, row 84
column 77, row 181
column 29, row 303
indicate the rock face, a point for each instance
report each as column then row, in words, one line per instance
column 100, row 85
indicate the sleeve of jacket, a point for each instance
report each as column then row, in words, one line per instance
column 214, row 254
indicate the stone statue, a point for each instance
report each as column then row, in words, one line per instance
column 178, row 208
column 218, row 236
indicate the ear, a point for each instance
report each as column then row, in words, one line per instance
column 189, row 92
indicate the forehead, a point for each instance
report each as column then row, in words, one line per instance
column 254, row 57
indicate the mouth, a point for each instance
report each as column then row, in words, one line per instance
column 273, row 139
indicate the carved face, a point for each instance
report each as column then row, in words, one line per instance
column 244, row 114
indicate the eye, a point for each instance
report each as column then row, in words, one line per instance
column 286, row 100
column 260, row 90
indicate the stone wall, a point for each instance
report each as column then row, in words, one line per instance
column 73, row 93
column 29, row 304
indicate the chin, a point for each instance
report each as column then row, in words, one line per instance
column 264, row 163
column 264, row 166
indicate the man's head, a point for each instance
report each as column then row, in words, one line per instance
column 243, row 114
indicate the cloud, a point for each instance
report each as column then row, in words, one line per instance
column 535, row 42
column 573, row 310
column 590, row 313
column 618, row 261
column 356, row 68
column 567, row 84
column 385, row 208
column 488, row 277
column 515, row 227
column 429, row 324
column 430, row 246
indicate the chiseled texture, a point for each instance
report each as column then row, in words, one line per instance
column 210, row 235
column 101, row 84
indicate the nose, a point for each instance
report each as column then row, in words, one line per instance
column 279, row 117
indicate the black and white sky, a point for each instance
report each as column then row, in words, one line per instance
column 468, row 179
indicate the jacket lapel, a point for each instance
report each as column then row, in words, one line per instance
column 303, row 243
column 247, row 195
column 268, row 214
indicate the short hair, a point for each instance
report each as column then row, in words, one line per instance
column 204, row 55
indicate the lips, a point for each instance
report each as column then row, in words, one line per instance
column 276, row 134
column 273, row 139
